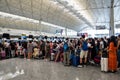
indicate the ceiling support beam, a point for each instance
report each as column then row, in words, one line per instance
column 40, row 19
column 8, row 6
column 7, row 3
column 21, row 8
column 32, row 9
column 8, row 24
column 48, row 10
column 21, row 11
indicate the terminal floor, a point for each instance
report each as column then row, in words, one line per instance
column 21, row 69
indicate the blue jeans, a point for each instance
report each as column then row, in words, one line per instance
column 118, row 56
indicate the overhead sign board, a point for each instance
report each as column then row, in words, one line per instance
column 80, row 34
column 117, row 25
column 101, row 27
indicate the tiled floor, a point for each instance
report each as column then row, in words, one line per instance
column 21, row 69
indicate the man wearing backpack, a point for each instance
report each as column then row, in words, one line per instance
column 84, row 52
column 66, row 52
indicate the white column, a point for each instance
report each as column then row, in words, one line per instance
column 111, row 29
column 40, row 27
column 66, row 31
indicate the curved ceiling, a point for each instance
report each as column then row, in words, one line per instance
column 73, row 14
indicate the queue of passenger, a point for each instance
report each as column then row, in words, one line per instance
column 76, row 52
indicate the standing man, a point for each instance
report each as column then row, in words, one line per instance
column 84, row 52
column 66, row 52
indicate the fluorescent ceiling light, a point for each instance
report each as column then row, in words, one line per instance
column 66, row 10
column 53, row 25
column 62, row 7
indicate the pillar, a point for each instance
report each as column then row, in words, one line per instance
column 111, row 29
column 40, row 27
column 66, row 31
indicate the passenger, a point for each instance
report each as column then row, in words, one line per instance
column 90, row 49
column 24, row 45
column 36, row 52
column 7, row 49
column 93, row 49
column 112, row 59
column 84, row 52
column 12, row 45
column 30, row 49
column 1, row 46
column 51, row 47
column 66, row 55
column 42, row 48
column 19, row 49
column 72, row 47
column 16, row 50
column 35, row 44
column 118, row 52
column 54, row 47
column 47, row 51
column 97, row 43
column 60, row 52
column 101, row 45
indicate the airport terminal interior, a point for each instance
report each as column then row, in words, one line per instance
column 59, row 39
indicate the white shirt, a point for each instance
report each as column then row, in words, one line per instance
column 89, row 45
column 6, row 44
column 95, row 42
column 102, row 44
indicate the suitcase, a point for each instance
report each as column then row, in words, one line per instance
column 3, row 54
column 75, row 60
column 52, row 57
column 104, row 61
column 97, row 59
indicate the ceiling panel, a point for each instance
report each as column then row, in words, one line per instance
column 26, row 2
column 95, row 11
column 26, row 8
column 14, row 3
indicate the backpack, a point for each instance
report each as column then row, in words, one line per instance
column 84, row 46
column 65, row 46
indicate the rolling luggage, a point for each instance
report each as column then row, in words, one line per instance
column 3, row 54
column 52, row 57
column 97, row 59
column 75, row 60
column 104, row 61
